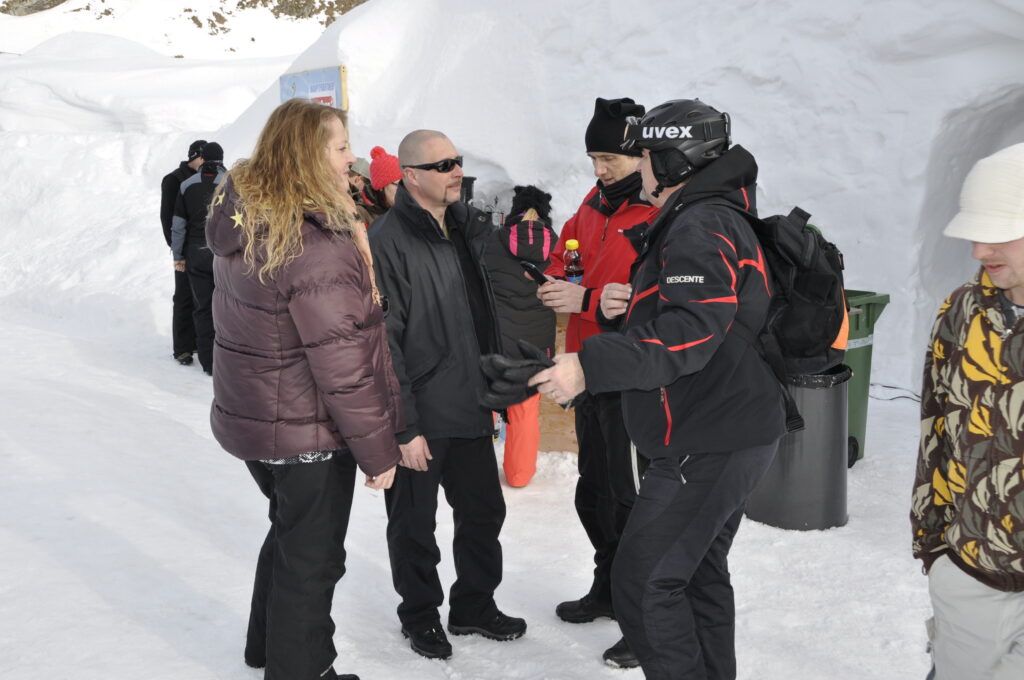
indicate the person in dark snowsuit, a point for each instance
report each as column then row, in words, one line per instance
column 608, row 474
column 183, row 331
column 525, row 236
column 699, row 401
column 428, row 252
column 189, row 249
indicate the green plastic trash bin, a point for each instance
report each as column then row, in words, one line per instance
column 865, row 308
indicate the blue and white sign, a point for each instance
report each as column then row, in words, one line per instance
column 325, row 85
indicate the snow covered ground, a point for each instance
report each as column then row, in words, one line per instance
column 128, row 538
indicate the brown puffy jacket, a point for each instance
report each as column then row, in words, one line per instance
column 302, row 361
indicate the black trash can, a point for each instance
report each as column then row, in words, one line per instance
column 805, row 487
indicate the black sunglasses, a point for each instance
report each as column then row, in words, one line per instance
column 447, row 165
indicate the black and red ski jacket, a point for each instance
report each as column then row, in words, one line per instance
column 689, row 385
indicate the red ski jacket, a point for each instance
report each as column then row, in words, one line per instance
column 607, row 254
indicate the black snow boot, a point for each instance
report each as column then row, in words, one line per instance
column 584, row 610
column 499, row 627
column 620, row 655
column 429, row 642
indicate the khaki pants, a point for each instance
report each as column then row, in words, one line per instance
column 978, row 631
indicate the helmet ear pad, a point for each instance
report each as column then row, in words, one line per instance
column 670, row 167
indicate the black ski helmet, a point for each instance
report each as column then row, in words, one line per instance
column 682, row 135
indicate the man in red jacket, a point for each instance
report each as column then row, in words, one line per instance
column 608, row 475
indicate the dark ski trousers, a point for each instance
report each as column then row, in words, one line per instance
column 671, row 589
column 606, row 488
column 199, row 266
column 183, row 330
column 468, row 472
column 303, row 557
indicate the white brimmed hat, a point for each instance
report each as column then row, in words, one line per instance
column 992, row 199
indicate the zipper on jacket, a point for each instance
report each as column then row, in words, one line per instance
column 668, row 416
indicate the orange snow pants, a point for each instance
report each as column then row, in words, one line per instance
column 522, row 438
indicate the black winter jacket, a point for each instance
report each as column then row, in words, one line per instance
column 431, row 325
column 192, row 207
column 169, row 188
column 521, row 314
column 688, row 384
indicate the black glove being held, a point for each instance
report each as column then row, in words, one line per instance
column 507, row 378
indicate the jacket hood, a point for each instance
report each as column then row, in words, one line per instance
column 733, row 176
column 223, row 233
column 528, row 239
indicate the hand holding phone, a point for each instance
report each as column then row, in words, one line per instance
column 534, row 272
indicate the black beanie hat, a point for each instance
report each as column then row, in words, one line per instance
column 608, row 126
column 213, row 152
column 195, row 149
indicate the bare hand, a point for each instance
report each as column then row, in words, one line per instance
column 562, row 296
column 415, row 454
column 179, row 265
column 382, row 481
column 563, row 381
column 615, row 299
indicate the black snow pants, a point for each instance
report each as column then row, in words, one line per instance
column 303, row 557
column 468, row 472
column 671, row 589
column 183, row 330
column 606, row 488
column 199, row 265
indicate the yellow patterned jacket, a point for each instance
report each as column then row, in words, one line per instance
column 968, row 499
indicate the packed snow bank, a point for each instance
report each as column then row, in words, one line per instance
column 868, row 116
column 841, row 105
column 90, row 83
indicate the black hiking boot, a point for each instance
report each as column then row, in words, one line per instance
column 620, row 655
column 331, row 675
column 429, row 642
column 185, row 358
column 584, row 610
column 499, row 627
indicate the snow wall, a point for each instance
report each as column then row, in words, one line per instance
column 866, row 114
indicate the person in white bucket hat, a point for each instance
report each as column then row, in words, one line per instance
column 967, row 511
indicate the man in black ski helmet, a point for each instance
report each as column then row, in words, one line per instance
column 698, row 400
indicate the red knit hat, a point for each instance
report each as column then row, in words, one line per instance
column 384, row 168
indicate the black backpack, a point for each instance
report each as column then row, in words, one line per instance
column 805, row 332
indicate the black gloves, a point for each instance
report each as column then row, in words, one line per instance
column 507, row 378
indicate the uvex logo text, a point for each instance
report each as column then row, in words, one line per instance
column 668, row 132
column 684, row 279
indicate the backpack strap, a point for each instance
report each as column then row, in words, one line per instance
column 772, row 356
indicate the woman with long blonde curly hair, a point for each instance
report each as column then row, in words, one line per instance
column 304, row 390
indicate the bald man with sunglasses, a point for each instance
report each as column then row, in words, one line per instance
column 428, row 255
